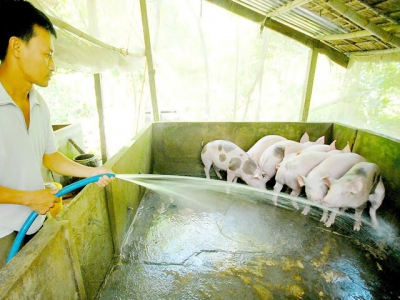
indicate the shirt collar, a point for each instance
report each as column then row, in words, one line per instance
column 6, row 99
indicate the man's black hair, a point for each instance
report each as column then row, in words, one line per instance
column 17, row 18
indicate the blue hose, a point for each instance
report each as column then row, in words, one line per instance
column 32, row 217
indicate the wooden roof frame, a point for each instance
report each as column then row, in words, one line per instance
column 336, row 56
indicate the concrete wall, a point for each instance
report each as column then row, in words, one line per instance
column 47, row 268
column 177, row 146
column 71, row 255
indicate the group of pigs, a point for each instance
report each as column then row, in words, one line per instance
column 336, row 179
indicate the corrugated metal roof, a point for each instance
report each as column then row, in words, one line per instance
column 347, row 26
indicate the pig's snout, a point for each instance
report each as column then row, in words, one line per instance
column 266, row 177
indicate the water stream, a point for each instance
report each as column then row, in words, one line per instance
column 194, row 238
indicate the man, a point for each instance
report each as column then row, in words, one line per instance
column 26, row 136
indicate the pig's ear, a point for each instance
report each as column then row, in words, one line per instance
column 328, row 180
column 332, row 146
column 321, row 140
column 305, row 138
column 347, row 148
column 302, row 180
column 356, row 185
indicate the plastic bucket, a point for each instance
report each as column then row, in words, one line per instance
column 87, row 159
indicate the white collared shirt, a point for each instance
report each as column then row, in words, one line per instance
column 21, row 155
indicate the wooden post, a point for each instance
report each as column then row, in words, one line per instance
column 149, row 59
column 100, row 111
column 312, row 65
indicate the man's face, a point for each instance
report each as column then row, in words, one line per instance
column 36, row 58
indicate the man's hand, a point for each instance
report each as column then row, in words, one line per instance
column 42, row 200
column 104, row 180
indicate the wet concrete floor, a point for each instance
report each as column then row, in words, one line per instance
column 226, row 248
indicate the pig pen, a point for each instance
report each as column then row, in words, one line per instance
column 127, row 242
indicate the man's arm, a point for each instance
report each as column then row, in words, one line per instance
column 59, row 163
column 40, row 201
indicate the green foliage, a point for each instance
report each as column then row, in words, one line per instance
column 369, row 98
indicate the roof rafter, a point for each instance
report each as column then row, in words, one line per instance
column 355, row 34
column 369, row 7
column 287, row 7
column 374, row 52
column 364, row 23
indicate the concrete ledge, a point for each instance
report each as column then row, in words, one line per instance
column 46, row 268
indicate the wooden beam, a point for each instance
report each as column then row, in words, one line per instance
column 287, row 7
column 374, row 52
column 312, row 66
column 149, row 58
column 355, row 34
column 364, row 23
column 310, row 42
column 100, row 111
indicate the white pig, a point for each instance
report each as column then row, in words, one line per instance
column 289, row 171
column 362, row 183
column 274, row 155
column 262, row 144
column 270, row 158
column 319, row 147
column 227, row 156
column 335, row 167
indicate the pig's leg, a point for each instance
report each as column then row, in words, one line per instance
column 332, row 217
column 277, row 189
column 207, row 165
column 376, row 201
column 372, row 213
column 306, row 210
column 295, row 193
column 324, row 217
column 357, row 217
column 230, row 176
column 217, row 172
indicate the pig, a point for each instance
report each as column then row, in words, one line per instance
column 262, row 144
column 335, row 167
column 319, row 147
column 274, row 155
column 227, row 156
column 362, row 183
column 289, row 171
